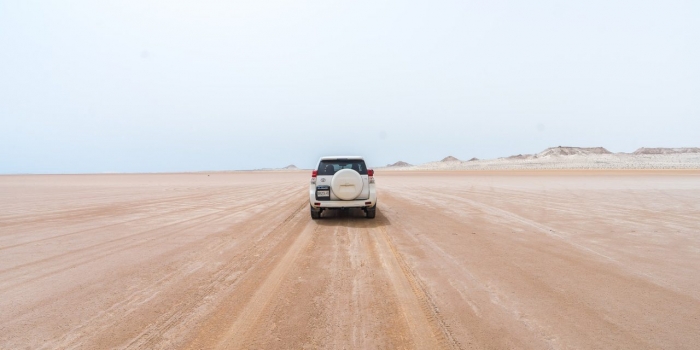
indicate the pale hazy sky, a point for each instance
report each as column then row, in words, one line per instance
column 129, row 86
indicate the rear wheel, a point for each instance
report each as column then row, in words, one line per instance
column 371, row 212
column 315, row 214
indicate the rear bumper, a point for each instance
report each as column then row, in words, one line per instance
column 364, row 203
column 359, row 203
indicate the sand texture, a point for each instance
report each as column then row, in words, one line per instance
column 454, row 260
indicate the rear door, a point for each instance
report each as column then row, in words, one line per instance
column 327, row 168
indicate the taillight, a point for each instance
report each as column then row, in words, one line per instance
column 370, row 172
column 314, row 173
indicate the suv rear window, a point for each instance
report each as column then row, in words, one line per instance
column 329, row 167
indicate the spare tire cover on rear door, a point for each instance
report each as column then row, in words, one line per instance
column 346, row 184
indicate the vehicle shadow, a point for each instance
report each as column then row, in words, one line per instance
column 351, row 217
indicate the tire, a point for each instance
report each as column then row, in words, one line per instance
column 372, row 212
column 315, row 214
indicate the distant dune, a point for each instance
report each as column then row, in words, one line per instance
column 521, row 156
column 450, row 159
column 399, row 164
column 288, row 167
column 562, row 151
column 562, row 157
column 667, row 150
column 568, row 151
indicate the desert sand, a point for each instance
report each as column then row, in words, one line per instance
column 454, row 260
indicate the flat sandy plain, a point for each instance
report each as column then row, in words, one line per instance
column 462, row 260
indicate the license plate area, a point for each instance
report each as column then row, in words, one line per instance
column 323, row 192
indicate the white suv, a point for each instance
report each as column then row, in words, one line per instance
column 341, row 182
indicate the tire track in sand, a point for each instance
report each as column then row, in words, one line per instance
column 428, row 329
column 237, row 332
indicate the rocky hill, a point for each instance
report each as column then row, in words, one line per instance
column 398, row 164
column 644, row 150
column 522, row 156
column 450, row 159
column 570, row 151
column 572, row 158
